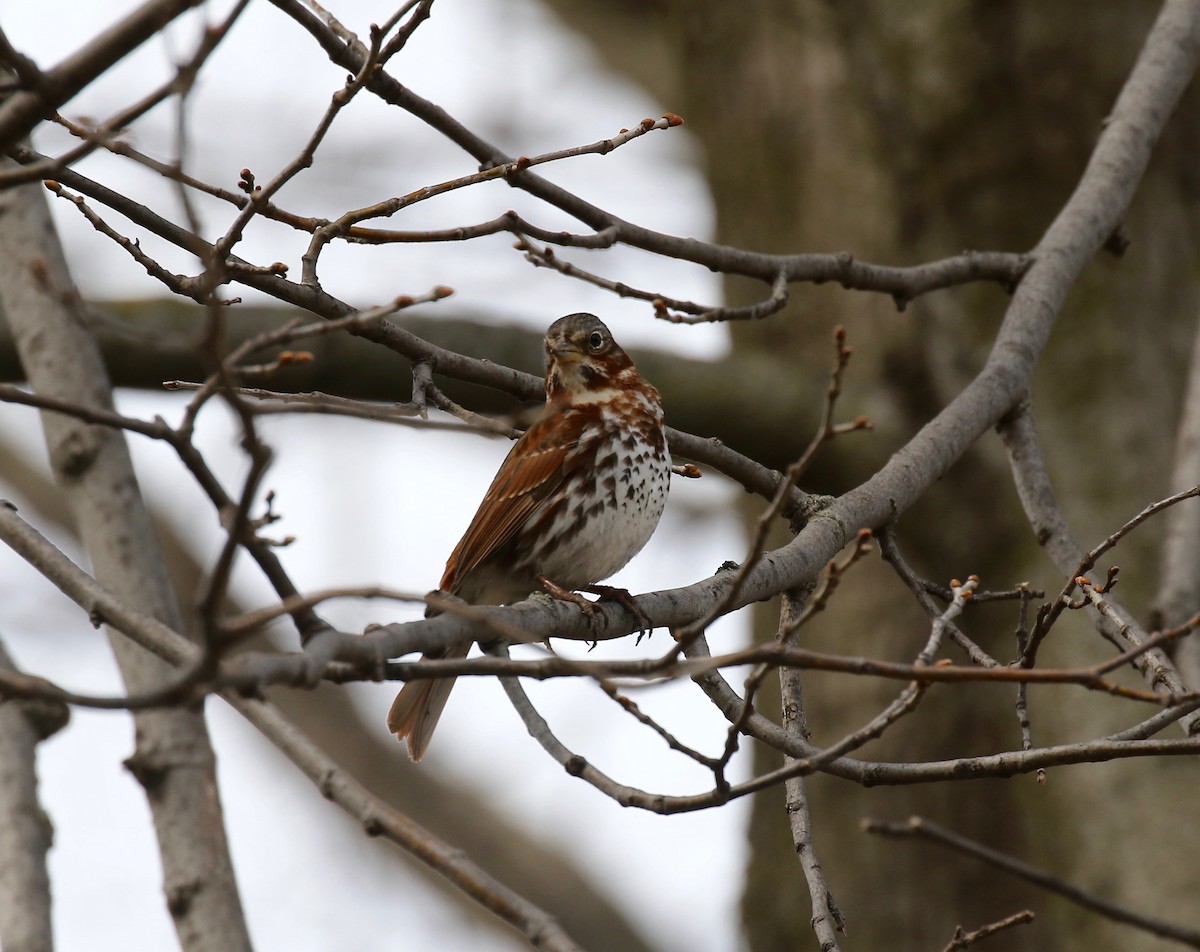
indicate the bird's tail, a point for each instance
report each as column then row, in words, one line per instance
column 418, row 706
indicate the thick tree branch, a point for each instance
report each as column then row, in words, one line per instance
column 81, row 588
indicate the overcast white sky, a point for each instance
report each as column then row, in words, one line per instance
column 368, row 504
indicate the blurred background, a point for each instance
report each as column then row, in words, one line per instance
column 900, row 133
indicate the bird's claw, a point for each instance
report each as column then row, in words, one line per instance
column 565, row 595
column 622, row 597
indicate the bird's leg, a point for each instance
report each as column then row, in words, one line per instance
column 566, row 595
column 622, row 597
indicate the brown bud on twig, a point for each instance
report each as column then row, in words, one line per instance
column 294, row 357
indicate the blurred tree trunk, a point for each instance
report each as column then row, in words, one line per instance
column 902, row 133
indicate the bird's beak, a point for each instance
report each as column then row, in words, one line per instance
column 565, row 349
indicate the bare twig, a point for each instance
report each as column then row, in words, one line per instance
column 509, row 170
column 378, row 818
column 304, row 159
column 924, row 829
column 278, row 401
column 1022, row 703
column 920, row 589
column 1019, row 434
column 673, row 742
column 825, row 432
column 250, row 622
column 827, row 920
column 669, row 309
column 963, row 939
column 470, row 418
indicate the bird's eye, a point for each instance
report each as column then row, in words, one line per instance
column 595, row 340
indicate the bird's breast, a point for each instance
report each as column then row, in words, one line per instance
column 609, row 504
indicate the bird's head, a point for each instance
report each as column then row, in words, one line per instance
column 583, row 362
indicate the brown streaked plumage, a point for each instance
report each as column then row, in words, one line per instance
column 576, row 498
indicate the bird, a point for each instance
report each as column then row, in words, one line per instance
column 578, row 496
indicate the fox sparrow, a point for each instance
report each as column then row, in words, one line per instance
column 576, row 498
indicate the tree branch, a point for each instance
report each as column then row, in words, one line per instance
column 378, row 819
column 924, row 829
column 827, row 919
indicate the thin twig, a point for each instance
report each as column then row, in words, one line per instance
column 825, row 432
column 509, row 170
column 278, row 402
column 963, row 939
column 922, row 828
column 1019, row 434
column 378, row 818
column 304, row 159
column 920, row 589
column 1022, row 703
column 827, row 920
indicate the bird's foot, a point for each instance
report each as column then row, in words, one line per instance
column 566, row 595
column 622, row 597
